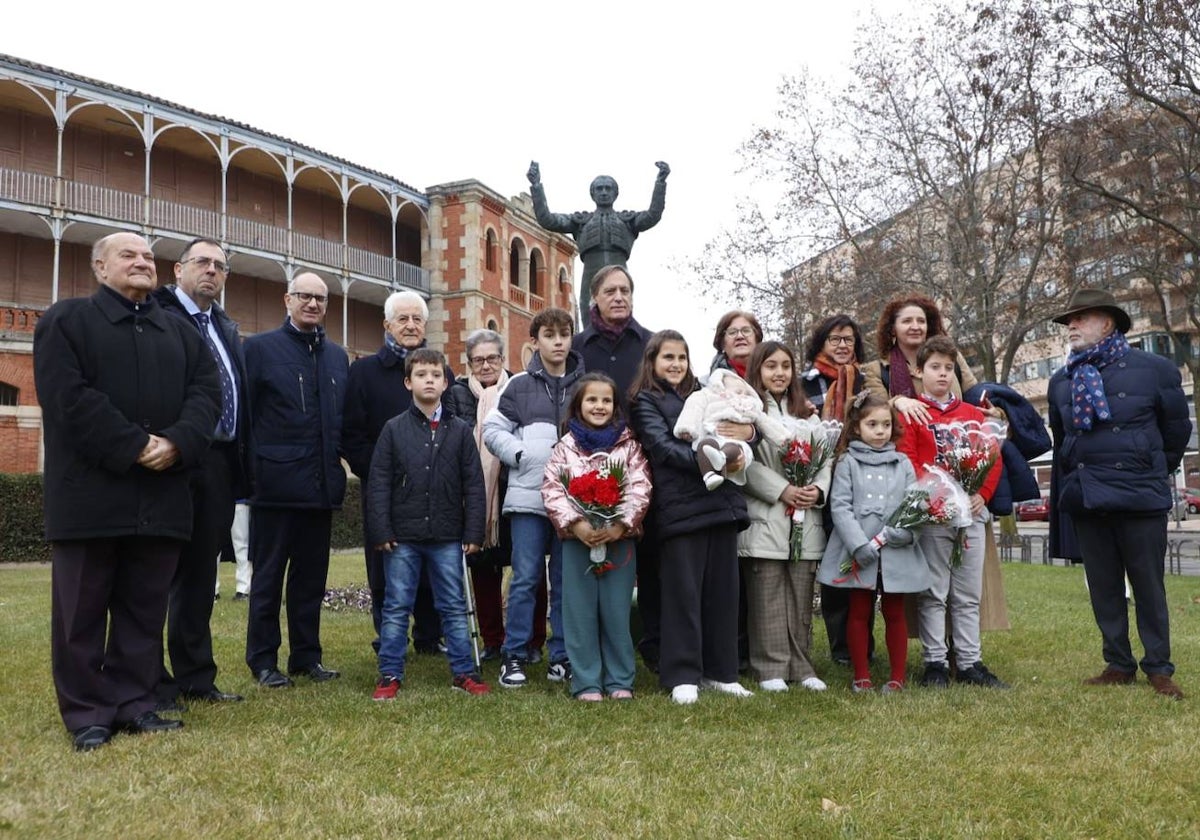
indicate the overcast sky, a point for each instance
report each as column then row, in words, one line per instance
column 442, row 91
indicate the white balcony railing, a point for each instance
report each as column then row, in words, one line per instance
column 37, row 191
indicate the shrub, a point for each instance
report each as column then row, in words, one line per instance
column 347, row 522
column 21, row 531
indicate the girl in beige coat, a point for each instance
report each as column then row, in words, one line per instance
column 779, row 592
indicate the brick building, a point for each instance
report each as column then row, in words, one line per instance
column 80, row 159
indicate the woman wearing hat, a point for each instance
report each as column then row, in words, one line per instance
column 1120, row 424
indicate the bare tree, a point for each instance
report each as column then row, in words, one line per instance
column 1138, row 154
column 934, row 169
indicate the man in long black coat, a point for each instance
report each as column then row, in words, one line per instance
column 200, row 278
column 130, row 398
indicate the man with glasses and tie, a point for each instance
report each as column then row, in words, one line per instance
column 375, row 394
column 295, row 387
column 200, row 277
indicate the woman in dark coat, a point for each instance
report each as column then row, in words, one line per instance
column 698, row 531
column 834, row 353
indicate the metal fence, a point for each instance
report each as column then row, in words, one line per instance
column 1182, row 557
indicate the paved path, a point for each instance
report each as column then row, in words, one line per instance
column 1183, row 545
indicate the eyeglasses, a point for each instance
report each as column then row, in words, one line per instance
column 744, row 332
column 835, row 340
column 305, row 297
column 205, row 262
column 479, row 361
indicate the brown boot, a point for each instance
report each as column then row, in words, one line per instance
column 1164, row 685
column 1112, row 676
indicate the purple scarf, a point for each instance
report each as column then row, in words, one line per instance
column 613, row 331
column 1088, row 400
column 900, row 382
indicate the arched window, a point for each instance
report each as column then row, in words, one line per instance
column 489, row 254
column 537, row 272
column 518, row 266
column 492, row 325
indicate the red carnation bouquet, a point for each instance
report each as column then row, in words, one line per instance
column 804, row 456
column 968, row 452
column 935, row 498
column 598, row 495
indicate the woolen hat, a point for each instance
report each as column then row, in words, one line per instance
column 1085, row 299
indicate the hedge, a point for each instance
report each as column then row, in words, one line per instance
column 21, row 539
column 21, row 534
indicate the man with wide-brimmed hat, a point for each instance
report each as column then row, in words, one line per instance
column 1120, row 424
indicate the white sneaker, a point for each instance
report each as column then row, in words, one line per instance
column 734, row 688
column 713, row 480
column 685, row 695
column 814, row 684
column 773, row 685
column 716, row 458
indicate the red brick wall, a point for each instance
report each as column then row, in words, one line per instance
column 18, row 446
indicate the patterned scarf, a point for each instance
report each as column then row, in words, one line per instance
column 900, row 382
column 398, row 349
column 841, row 382
column 595, row 440
column 1088, row 400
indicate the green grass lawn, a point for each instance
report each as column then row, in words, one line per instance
column 1047, row 759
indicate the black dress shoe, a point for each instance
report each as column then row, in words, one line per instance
column 272, row 678
column 316, row 672
column 213, row 695
column 93, row 737
column 170, row 707
column 151, row 722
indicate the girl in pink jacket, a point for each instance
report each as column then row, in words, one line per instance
column 596, row 488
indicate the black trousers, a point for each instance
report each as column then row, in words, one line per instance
column 835, row 610
column 295, row 543
column 1113, row 547
column 699, row 574
column 189, row 610
column 427, row 624
column 108, row 600
column 649, row 599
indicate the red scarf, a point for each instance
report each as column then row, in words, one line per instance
column 841, row 380
column 900, row 382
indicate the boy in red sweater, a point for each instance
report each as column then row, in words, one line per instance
column 925, row 442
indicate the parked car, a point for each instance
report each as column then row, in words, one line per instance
column 1181, row 506
column 1034, row 510
column 1192, row 497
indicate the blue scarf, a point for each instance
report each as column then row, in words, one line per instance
column 1088, row 400
column 595, row 440
column 398, row 349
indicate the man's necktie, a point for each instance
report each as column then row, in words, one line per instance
column 228, row 421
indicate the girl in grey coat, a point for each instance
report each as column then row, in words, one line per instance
column 868, row 485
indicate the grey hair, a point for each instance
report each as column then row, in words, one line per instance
column 396, row 298
column 484, row 337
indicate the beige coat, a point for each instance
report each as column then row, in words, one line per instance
column 770, row 526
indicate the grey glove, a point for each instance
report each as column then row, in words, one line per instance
column 897, row 536
column 866, row 553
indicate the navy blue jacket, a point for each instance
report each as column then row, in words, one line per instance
column 108, row 376
column 681, row 504
column 227, row 328
column 620, row 359
column 425, row 485
column 1121, row 465
column 1027, row 439
column 295, row 384
column 375, row 393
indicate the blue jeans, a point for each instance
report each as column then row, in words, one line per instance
column 402, row 572
column 533, row 537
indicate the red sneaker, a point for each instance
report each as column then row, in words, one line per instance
column 386, row 689
column 471, row 684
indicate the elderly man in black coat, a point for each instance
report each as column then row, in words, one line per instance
column 375, row 394
column 1120, row 425
column 130, row 398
